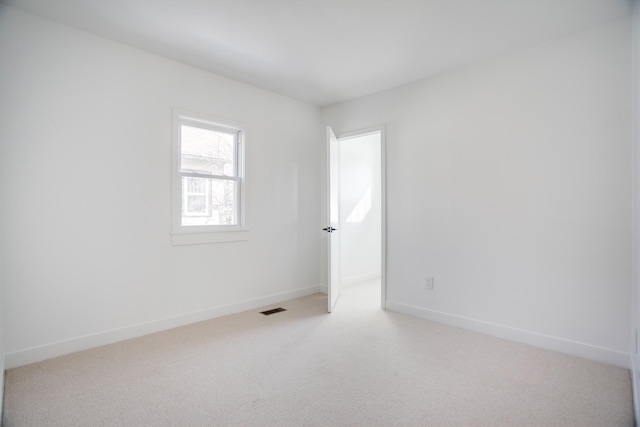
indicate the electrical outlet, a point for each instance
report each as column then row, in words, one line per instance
column 428, row 283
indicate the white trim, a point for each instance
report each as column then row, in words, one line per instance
column 360, row 278
column 333, row 248
column 206, row 176
column 574, row 348
column 361, row 132
column 203, row 237
column 60, row 348
column 634, row 386
column 635, row 205
column 383, row 206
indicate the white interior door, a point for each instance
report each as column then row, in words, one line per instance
column 333, row 245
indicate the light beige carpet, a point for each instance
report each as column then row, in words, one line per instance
column 359, row 366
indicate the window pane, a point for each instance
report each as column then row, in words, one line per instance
column 208, row 201
column 207, row 151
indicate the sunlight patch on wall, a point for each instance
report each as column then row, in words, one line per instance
column 362, row 208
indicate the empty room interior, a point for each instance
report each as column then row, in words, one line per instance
column 441, row 196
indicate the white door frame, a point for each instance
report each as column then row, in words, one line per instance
column 383, row 202
column 333, row 203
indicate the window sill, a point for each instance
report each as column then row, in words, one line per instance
column 204, row 237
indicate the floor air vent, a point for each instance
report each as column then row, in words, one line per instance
column 272, row 311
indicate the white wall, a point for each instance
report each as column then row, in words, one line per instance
column 509, row 182
column 86, row 150
column 636, row 205
column 360, row 213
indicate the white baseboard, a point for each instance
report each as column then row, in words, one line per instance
column 353, row 280
column 360, row 278
column 635, row 383
column 48, row 351
column 574, row 348
column 2, row 368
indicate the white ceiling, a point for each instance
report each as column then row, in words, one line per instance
column 326, row 51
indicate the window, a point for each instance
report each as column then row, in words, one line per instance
column 208, row 180
column 209, row 174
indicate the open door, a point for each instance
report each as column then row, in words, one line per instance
column 333, row 258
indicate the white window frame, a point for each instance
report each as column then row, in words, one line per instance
column 200, row 234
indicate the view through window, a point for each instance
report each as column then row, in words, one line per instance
column 209, row 173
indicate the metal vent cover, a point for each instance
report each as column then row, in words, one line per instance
column 272, row 311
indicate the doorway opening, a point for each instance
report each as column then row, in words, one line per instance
column 361, row 236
